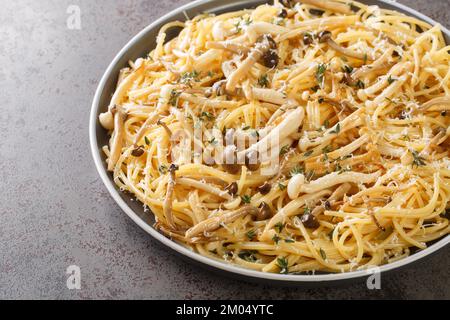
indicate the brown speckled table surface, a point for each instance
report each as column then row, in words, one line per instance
column 54, row 209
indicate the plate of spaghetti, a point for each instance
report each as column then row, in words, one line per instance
column 292, row 141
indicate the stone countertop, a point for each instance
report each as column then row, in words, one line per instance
column 55, row 210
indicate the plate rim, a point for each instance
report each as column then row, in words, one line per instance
column 218, row 264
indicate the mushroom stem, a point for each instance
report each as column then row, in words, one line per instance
column 335, row 178
column 167, row 206
column 325, row 37
column 227, row 45
column 255, row 54
column 212, row 180
column 214, row 223
column 212, row 103
column 162, row 106
column 334, row 199
column 124, row 82
column 434, row 143
column 347, row 52
column 269, row 95
column 288, row 126
column 436, row 101
column 205, row 187
column 166, row 128
column 380, row 63
column 375, row 220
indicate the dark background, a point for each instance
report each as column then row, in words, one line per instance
column 54, row 209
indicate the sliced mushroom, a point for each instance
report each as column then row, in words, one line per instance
column 214, row 223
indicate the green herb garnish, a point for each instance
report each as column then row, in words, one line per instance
column 251, row 234
column 391, row 80
column 247, row 255
column 308, row 153
column 320, row 74
column 188, row 77
column 337, row 129
column 283, row 265
column 327, row 149
column 285, row 150
column 276, row 239
column 330, row 234
column 213, row 141
column 246, row 199
column 209, row 116
column 174, row 97
column 263, row 81
column 296, row 170
column 359, row 84
column 418, row 160
column 323, row 254
column 309, row 175
column 279, row 227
